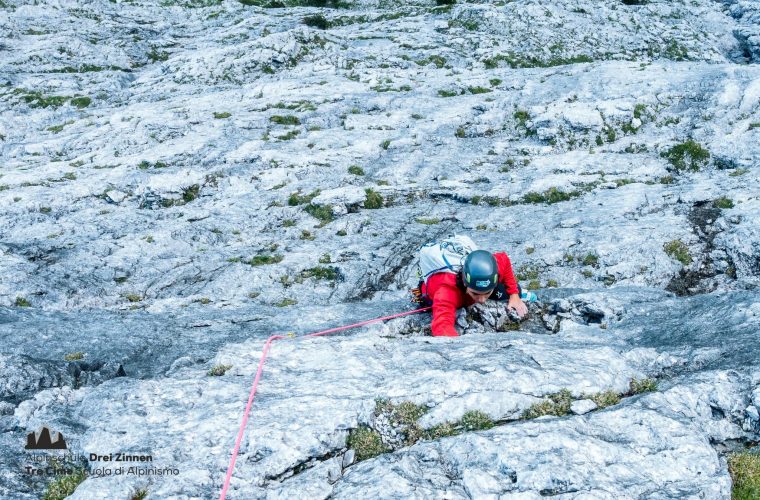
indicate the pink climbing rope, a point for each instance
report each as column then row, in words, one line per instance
column 264, row 353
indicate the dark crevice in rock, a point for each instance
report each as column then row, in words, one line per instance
column 24, row 376
column 304, row 466
column 697, row 278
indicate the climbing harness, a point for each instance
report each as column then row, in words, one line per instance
column 264, row 353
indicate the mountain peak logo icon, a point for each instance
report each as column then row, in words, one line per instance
column 42, row 440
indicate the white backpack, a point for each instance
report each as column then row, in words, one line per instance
column 446, row 256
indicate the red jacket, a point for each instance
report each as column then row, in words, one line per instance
column 447, row 297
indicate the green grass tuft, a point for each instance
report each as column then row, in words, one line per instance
column 73, row 356
column 427, row 221
column 22, row 302
column 64, row 485
column 475, row 420
column 557, row 405
column 355, row 170
column 218, row 370
column 262, row 260
column 321, row 273
column 81, row 102
column 366, row 443
column 323, row 213
column 723, row 202
column 590, row 260
column 285, row 120
column 605, row 398
column 744, row 468
column 316, row 21
column 643, row 385
column 679, row 251
column 222, row 115
column 689, row 156
column 373, row 199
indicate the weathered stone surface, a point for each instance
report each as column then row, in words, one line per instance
column 182, row 179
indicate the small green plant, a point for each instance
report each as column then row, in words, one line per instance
column 57, row 128
column 218, row 370
column 744, row 468
column 133, row 297
column 494, row 82
column 366, row 443
column 530, row 250
column 355, row 170
column 341, row 232
column 373, row 199
column 679, row 251
column 321, row 273
column 689, row 155
column 288, row 223
column 534, row 285
column 262, row 260
column 288, row 136
column 478, row 90
column 81, row 102
column 190, row 193
column 723, row 202
column 220, row 116
column 428, row 221
column 203, row 300
column 253, row 295
column 140, row 494
column 285, row 120
column 385, row 144
column 323, row 213
column 605, row 398
column 45, row 210
column 73, row 356
column 461, row 133
column 475, row 420
column 325, row 259
column 738, row 172
column 448, row 93
column 552, row 284
column 296, row 199
column 644, row 385
column 590, row 260
column 22, row 302
column 439, row 431
column 286, row 302
column 557, row 404
column 316, row 21
column 64, row 485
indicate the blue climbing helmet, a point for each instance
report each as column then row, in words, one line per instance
column 480, row 271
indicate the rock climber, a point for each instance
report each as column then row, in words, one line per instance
column 483, row 276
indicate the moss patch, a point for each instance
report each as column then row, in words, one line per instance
column 73, row 356
column 745, row 473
